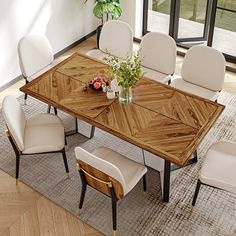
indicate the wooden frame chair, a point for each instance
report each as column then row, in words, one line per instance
column 106, row 171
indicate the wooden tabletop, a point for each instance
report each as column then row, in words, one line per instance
column 161, row 119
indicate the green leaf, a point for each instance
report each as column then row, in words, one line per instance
column 98, row 11
column 116, row 13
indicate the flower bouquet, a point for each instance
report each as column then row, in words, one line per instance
column 127, row 72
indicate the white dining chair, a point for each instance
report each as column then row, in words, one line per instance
column 42, row 133
column 203, row 72
column 35, row 57
column 110, row 173
column 158, row 55
column 218, row 169
column 116, row 39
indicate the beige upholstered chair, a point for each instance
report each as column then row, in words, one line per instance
column 110, row 173
column 116, row 39
column 35, row 57
column 218, row 169
column 203, row 72
column 43, row 133
column 158, row 54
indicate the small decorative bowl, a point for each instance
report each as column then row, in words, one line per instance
column 98, row 83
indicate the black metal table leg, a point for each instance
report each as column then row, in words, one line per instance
column 166, row 188
column 92, row 131
column 72, row 132
column 76, row 131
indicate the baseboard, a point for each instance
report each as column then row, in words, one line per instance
column 74, row 44
column 18, row 78
column 231, row 69
column 5, row 86
column 138, row 40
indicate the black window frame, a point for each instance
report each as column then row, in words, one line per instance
column 208, row 34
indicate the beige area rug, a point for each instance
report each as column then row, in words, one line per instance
column 214, row 213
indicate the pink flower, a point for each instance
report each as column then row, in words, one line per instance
column 97, row 85
column 98, row 78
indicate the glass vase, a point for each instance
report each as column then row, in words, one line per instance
column 125, row 95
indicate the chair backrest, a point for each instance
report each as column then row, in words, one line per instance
column 204, row 66
column 116, row 38
column 101, row 169
column 35, row 53
column 15, row 120
column 158, row 52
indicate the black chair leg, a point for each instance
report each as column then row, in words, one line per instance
column 114, row 210
column 17, row 167
column 145, row 183
column 26, row 95
column 55, row 111
column 83, row 191
column 196, row 192
column 49, row 109
column 65, row 140
column 65, row 160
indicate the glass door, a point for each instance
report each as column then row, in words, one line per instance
column 156, row 16
column 222, row 34
column 192, row 21
column 185, row 20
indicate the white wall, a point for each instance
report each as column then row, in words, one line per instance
column 132, row 13
column 63, row 21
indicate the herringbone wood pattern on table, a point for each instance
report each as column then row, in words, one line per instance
column 188, row 110
column 63, row 87
column 162, row 120
column 81, row 68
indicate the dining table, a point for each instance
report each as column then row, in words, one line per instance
column 162, row 120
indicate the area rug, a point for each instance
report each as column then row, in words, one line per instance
column 214, row 213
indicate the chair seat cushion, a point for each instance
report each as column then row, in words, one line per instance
column 219, row 167
column 156, row 75
column 195, row 89
column 97, row 54
column 44, row 133
column 131, row 170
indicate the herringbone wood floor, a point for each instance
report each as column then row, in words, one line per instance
column 23, row 211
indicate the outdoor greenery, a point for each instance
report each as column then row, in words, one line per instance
column 195, row 10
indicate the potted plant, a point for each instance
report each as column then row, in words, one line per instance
column 102, row 9
column 127, row 72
